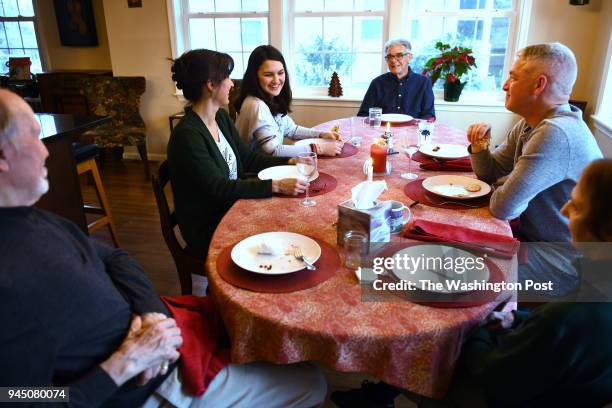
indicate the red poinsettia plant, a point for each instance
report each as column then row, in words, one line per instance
column 450, row 65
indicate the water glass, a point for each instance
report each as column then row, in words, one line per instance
column 375, row 117
column 357, row 125
column 425, row 132
column 356, row 246
column 410, row 145
column 306, row 166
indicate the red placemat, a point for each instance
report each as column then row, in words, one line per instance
column 327, row 265
column 416, row 192
column 323, row 184
column 347, row 151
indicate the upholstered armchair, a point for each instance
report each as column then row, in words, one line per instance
column 119, row 98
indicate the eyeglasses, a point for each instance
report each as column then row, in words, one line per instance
column 396, row 56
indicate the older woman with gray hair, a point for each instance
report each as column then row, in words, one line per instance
column 400, row 90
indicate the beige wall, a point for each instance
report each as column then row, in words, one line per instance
column 139, row 42
column 80, row 58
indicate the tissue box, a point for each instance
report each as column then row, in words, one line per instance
column 374, row 222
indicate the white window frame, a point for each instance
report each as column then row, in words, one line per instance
column 517, row 38
column 602, row 119
column 321, row 91
column 41, row 44
column 179, row 16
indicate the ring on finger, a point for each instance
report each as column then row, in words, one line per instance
column 164, row 368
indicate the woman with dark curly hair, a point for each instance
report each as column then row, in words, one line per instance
column 207, row 159
column 263, row 109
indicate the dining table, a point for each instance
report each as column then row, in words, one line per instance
column 405, row 344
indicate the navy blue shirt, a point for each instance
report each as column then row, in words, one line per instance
column 412, row 95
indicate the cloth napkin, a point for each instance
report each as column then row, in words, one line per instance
column 484, row 242
column 462, row 164
column 202, row 356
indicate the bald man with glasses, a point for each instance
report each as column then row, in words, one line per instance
column 400, row 90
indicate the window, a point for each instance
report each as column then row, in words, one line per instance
column 345, row 36
column 486, row 26
column 235, row 27
column 18, row 34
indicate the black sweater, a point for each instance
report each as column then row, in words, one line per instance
column 559, row 355
column 66, row 307
column 202, row 190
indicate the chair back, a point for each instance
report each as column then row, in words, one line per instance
column 186, row 264
column 117, row 97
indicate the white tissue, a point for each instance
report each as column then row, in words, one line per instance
column 268, row 248
column 365, row 193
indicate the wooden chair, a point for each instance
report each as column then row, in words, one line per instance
column 186, row 263
column 85, row 157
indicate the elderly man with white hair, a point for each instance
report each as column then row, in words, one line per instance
column 76, row 313
column 400, row 90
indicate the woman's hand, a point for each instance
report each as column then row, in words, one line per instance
column 332, row 135
column 289, row 186
column 329, row 149
column 144, row 347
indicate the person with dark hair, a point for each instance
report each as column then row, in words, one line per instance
column 76, row 313
column 401, row 90
column 263, row 109
column 206, row 157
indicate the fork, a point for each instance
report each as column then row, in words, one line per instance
column 299, row 255
column 453, row 202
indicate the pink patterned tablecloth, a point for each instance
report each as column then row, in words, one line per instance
column 408, row 345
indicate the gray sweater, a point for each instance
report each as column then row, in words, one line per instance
column 539, row 168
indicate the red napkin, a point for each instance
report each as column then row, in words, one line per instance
column 201, row 355
column 462, row 164
column 485, row 242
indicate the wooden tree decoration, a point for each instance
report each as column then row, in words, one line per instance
column 335, row 89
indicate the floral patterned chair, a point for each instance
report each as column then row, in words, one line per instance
column 119, row 98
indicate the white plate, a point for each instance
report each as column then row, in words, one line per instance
column 434, row 273
column 314, row 140
column 444, row 151
column 454, row 187
column 244, row 254
column 283, row 172
column 396, row 118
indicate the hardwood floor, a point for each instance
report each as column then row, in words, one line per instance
column 135, row 212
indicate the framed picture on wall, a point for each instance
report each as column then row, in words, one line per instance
column 76, row 23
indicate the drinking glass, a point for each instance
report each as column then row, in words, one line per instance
column 306, row 166
column 357, row 125
column 375, row 116
column 425, row 132
column 410, row 146
column 356, row 246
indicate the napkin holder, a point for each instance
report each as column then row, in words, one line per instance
column 374, row 222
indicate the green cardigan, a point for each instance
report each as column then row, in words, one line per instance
column 199, row 175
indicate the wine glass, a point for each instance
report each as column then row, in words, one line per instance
column 410, row 147
column 306, row 166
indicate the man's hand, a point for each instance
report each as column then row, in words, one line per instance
column 479, row 135
column 149, row 319
column 289, row 186
column 144, row 348
column 500, row 321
